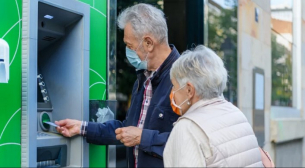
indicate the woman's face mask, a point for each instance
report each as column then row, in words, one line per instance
column 177, row 109
column 134, row 59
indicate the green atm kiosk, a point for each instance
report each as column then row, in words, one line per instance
column 53, row 62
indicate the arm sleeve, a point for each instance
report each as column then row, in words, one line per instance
column 153, row 142
column 103, row 133
column 183, row 146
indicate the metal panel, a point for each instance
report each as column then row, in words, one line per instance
column 111, row 49
column 111, row 69
column 289, row 154
column 29, row 104
column 258, row 109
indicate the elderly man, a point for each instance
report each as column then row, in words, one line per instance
column 150, row 117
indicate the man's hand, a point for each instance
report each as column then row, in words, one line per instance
column 129, row 136
column 68, row 127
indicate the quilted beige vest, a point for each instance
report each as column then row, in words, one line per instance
column 231, row 138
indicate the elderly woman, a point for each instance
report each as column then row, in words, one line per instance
column 211, row 132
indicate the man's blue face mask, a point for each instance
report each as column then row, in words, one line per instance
column 134, row 59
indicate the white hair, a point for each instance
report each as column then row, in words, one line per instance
column 204, row 69
column 145, row 19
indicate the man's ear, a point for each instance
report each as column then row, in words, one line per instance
column 148, row 44
column 190, row 89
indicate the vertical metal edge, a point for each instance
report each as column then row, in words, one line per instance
column 111, row 68
column 111, row 49
column 86, row 80
column 29, row 71
column 24, row 45
column 205, row 22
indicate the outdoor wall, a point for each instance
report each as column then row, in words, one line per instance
column 254, row 50
column 283, row 138
column 289, row 154
column 10, row 93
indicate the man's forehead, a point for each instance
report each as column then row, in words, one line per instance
column 128, row 41
column 129, row 38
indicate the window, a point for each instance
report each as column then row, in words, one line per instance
column 222, row 38
column 281, row 71
column 281, row 48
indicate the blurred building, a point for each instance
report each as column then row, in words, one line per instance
column 271, row 64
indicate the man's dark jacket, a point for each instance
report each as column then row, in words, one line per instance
column 158, row 123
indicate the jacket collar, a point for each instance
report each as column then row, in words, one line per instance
column 199, row 104
column 203, row 103
column 165, row 66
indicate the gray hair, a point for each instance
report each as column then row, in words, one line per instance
column 204, row 69
column 145, row 19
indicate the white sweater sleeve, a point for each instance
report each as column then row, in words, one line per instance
column 183, row 146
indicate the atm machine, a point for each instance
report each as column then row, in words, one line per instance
column 55, row 82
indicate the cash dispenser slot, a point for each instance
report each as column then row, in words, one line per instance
column 54, row 156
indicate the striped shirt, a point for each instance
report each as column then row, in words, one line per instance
column 145, row 104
